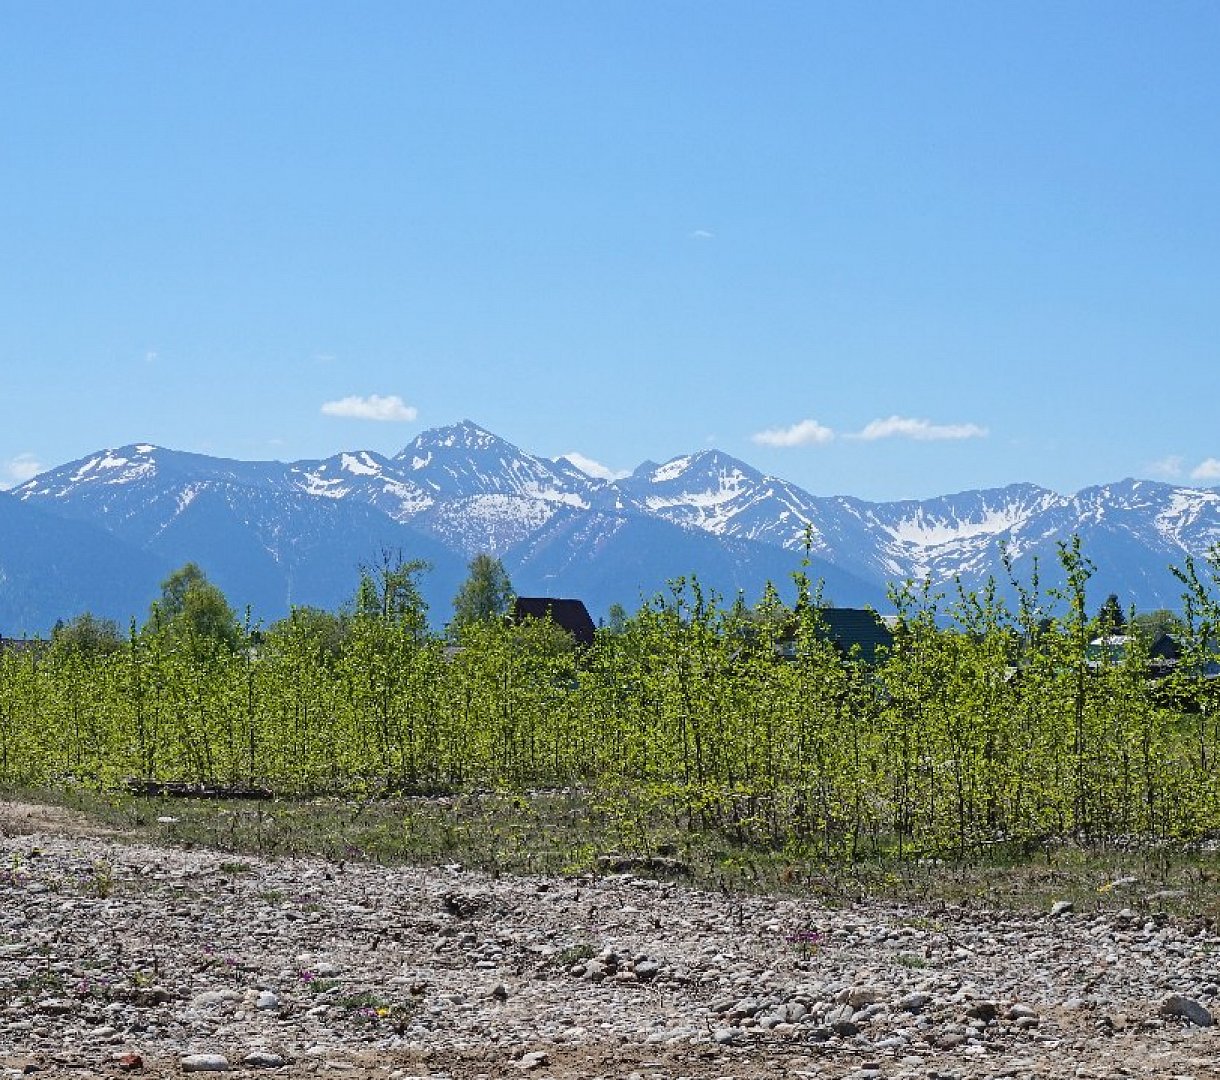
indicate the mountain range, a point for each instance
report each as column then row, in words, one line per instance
column 100, row 533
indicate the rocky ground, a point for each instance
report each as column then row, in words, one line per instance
column 121, row 959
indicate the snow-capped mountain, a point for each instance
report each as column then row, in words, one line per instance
column 488, row 495
column 470, row 489
column 274, row 534
column 717, row 493
column 464, row 459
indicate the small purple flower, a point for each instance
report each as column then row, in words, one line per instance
column 805, row 939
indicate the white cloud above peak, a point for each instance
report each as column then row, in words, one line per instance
column 388, row 408
column 1169, row 467
column 20, row 469
column 905, row 427
column 1206, row 470
column 802, row 433
column 593, row 468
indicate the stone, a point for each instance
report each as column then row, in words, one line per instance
column 263, row 1059
column 1188, row 1009
column 204, row 1063
column 986, row 1011
column 859, row 996
column 729, row 992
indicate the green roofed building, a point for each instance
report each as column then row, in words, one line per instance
column 858, row 633
column 853, row 629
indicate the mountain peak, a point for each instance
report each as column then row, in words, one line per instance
column 702, row 464
column 465, row 435
column 114, row 465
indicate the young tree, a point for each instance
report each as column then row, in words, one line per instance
column 1150, row 625
column 324, row 631
column 88, row 635
column 486, row 593
column 617, row 622
column 390, row 592
column 1110, row 619
column 190, row 605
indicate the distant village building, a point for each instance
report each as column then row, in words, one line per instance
column 857, row 633
column 1165, row 655
column 567, row 614
column 19, row 646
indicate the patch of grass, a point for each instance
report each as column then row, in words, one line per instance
column 566, row 832
column 35, row 985
column 573, row 954
column 365, row 999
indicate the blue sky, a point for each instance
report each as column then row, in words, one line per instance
column 883, row 249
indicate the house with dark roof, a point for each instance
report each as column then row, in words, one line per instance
column 857, row 633
column 1165, row 655
column 24, row 646
column 567, row 614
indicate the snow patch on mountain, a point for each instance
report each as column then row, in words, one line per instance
column 323, row 487
column 671, row 470
column 185, row 497
column 1192, row 517
column 109, row 460
column 922, row 530
column 473, row 491
column 488, row 524
column 360, row 464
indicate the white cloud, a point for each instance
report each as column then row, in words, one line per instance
column 1206, row 470
column 21, row 468
column 1168, row 467
column 905, row 427
column 373, row 407
column 802, row 433
column 702, row 234
column 593, row 468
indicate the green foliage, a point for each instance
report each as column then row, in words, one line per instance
column 89, row 635
column 616, row 622
column 324, row 633
column 389, row 592
column 982, row 726
column 193, row 612
column 485, row 595
column 1150, row 625
column 1110, row 617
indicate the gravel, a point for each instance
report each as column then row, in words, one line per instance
column 122, row 959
